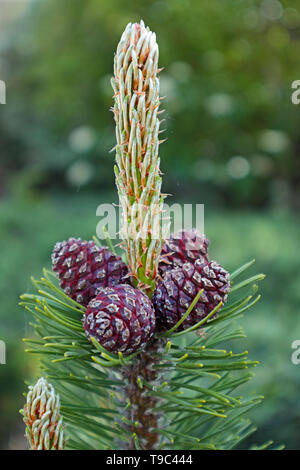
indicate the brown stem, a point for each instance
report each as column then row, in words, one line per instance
column 142, row 403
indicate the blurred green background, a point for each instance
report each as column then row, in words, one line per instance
column 233, row 144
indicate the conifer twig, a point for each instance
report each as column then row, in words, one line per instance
column 136, row 95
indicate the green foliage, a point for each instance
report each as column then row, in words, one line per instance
column 227, row 81
column 11, row 389
column 197, row 388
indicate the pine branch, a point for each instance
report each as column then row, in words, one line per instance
column 179, row 389
column 184, row 398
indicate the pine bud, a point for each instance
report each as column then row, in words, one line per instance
column 136, row 111
column 41, row 414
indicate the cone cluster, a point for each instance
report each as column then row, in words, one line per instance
column 121, row 317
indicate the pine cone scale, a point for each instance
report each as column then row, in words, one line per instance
column 120, row 318
column 179, row 286
column 83, row 268
column 186, row 245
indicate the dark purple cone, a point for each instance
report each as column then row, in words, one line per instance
column 176, row 291
column 83, row 268
column 120, row 318
column 185, row 245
